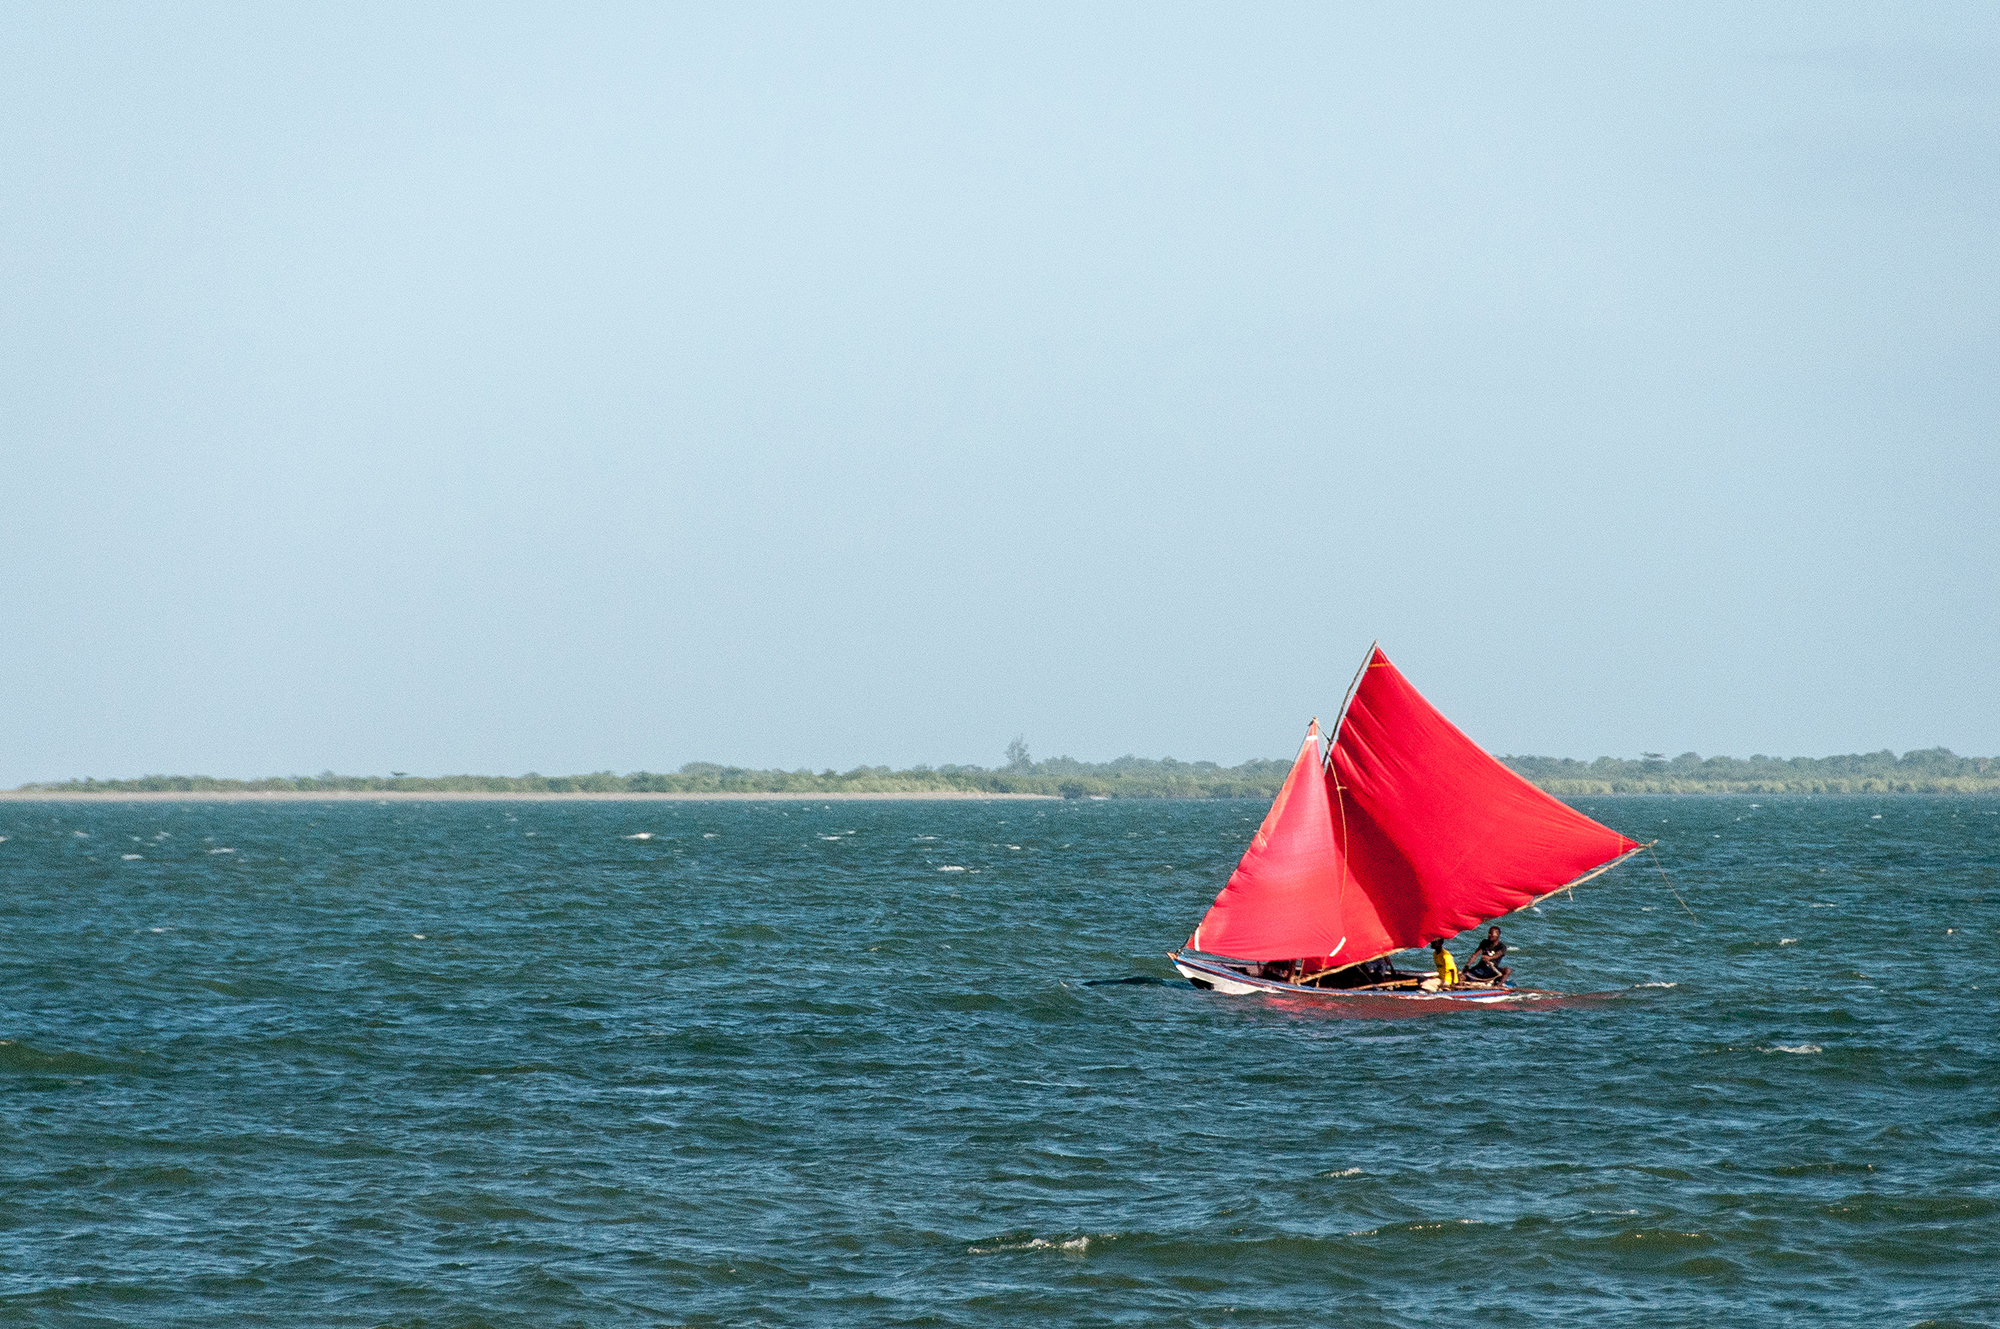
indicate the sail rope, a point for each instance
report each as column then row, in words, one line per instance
column 1670, row 885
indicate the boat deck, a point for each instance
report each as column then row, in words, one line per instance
column 1209, row 972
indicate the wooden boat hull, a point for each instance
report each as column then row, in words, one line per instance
column 1216, row 976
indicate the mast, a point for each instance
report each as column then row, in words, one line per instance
column 1333, row 734
column 1328, row 774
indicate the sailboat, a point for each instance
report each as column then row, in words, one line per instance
column 1400, row 831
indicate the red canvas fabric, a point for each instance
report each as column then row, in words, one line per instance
column 1411, row 832
column 1439, row 835
column 1283, row 900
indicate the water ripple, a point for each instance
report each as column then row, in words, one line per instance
column 460, row 1064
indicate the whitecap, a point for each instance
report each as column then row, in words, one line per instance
column 1788, row 941
column 1876, row 817
column 222, row 851
column 639, row 835
column 953, row 867
column 1013, row 846
column 829, row 837
column 156, row 929
column 920, row 838
column 1805, row 1049
column 708, row 835
column 81, row 835
column 1075, row 1245
column 419, row 936
column 129, row 857
column 1344, row 1172
column 1656, row 985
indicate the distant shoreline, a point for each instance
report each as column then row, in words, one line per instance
column 806, row 796
column 1919, row 771
column 481, row 796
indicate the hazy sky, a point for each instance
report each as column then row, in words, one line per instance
column 492, row 390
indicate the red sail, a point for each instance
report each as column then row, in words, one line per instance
column 1283, row 900
column 1411, row 832
column 1440, row 836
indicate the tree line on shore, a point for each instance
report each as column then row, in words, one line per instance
column 1922, row 771
column 1919, row 771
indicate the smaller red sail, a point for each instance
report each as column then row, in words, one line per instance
column 1283, row 900
column 1439, row 836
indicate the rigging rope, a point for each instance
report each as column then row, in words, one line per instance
column 1670, row 885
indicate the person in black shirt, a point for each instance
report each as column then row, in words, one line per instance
column 1484, row 962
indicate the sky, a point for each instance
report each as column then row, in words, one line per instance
column 487, row 389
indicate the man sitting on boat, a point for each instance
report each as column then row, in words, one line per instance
column 1484, row 962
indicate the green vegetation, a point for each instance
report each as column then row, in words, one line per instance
column 1064, row 777
column 1928, row 771
column 1923, row 771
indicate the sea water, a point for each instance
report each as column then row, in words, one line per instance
column 802, row 1063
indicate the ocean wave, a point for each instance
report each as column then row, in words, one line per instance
column 1074, row 1246
column 590, row 1036
column 20, row 1059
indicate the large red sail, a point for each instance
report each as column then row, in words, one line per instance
column 1283, row 900
column 1409, row 832
column 1439, row 835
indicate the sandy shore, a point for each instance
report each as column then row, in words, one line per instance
column 400, row 796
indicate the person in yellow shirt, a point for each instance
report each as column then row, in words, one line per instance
column 1447, row 968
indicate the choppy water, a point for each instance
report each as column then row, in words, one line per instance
column 792, row 1064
